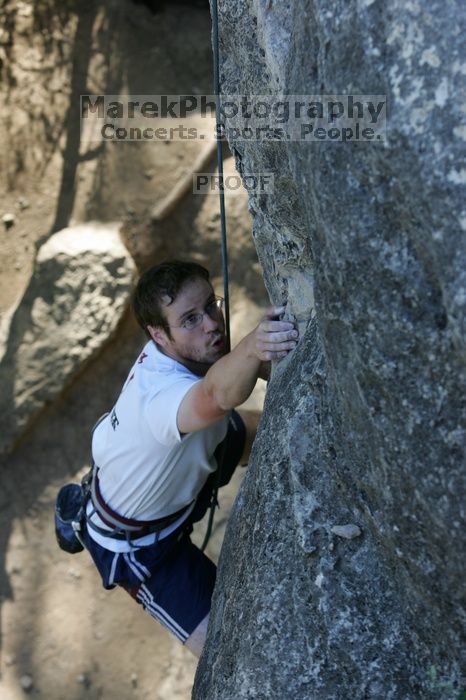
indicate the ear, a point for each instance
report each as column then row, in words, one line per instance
column 158, row 335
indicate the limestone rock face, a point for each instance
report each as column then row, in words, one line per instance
column 343, row 567
column 77, row 294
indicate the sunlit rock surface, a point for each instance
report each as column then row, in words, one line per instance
column 77, row 294
column 364, row 425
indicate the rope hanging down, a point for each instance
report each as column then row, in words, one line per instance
column 219, row 132
column 226, row 292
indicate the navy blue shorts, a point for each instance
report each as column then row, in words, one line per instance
column 172, row 579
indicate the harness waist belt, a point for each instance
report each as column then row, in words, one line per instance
column 134, row 528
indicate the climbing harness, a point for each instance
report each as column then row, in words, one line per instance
column 124, row 528
column 71, row 515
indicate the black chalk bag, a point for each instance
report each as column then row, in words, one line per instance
column 69, row 513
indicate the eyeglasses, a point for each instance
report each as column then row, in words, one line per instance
column 213, row 309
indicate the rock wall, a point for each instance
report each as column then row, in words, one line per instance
column 364, row 424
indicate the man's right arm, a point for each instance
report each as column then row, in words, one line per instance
column 231, row 379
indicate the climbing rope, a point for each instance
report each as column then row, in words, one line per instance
column 226, row 292
column 219, row 133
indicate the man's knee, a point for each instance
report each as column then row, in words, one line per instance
column 195, row 642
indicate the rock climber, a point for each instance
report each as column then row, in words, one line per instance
column 156, row 453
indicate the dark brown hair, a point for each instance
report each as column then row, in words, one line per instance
column 164, row 280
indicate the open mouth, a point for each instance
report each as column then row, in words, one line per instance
column 219, row 344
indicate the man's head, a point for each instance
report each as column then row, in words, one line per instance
column 165, row 297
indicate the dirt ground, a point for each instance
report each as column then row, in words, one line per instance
column 62, row 637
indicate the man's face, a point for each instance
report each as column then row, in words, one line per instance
column 200, row 347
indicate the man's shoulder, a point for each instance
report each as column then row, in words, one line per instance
column 157, row 372
column 151, row 360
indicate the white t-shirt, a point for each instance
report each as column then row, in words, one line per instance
column 147, row 470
